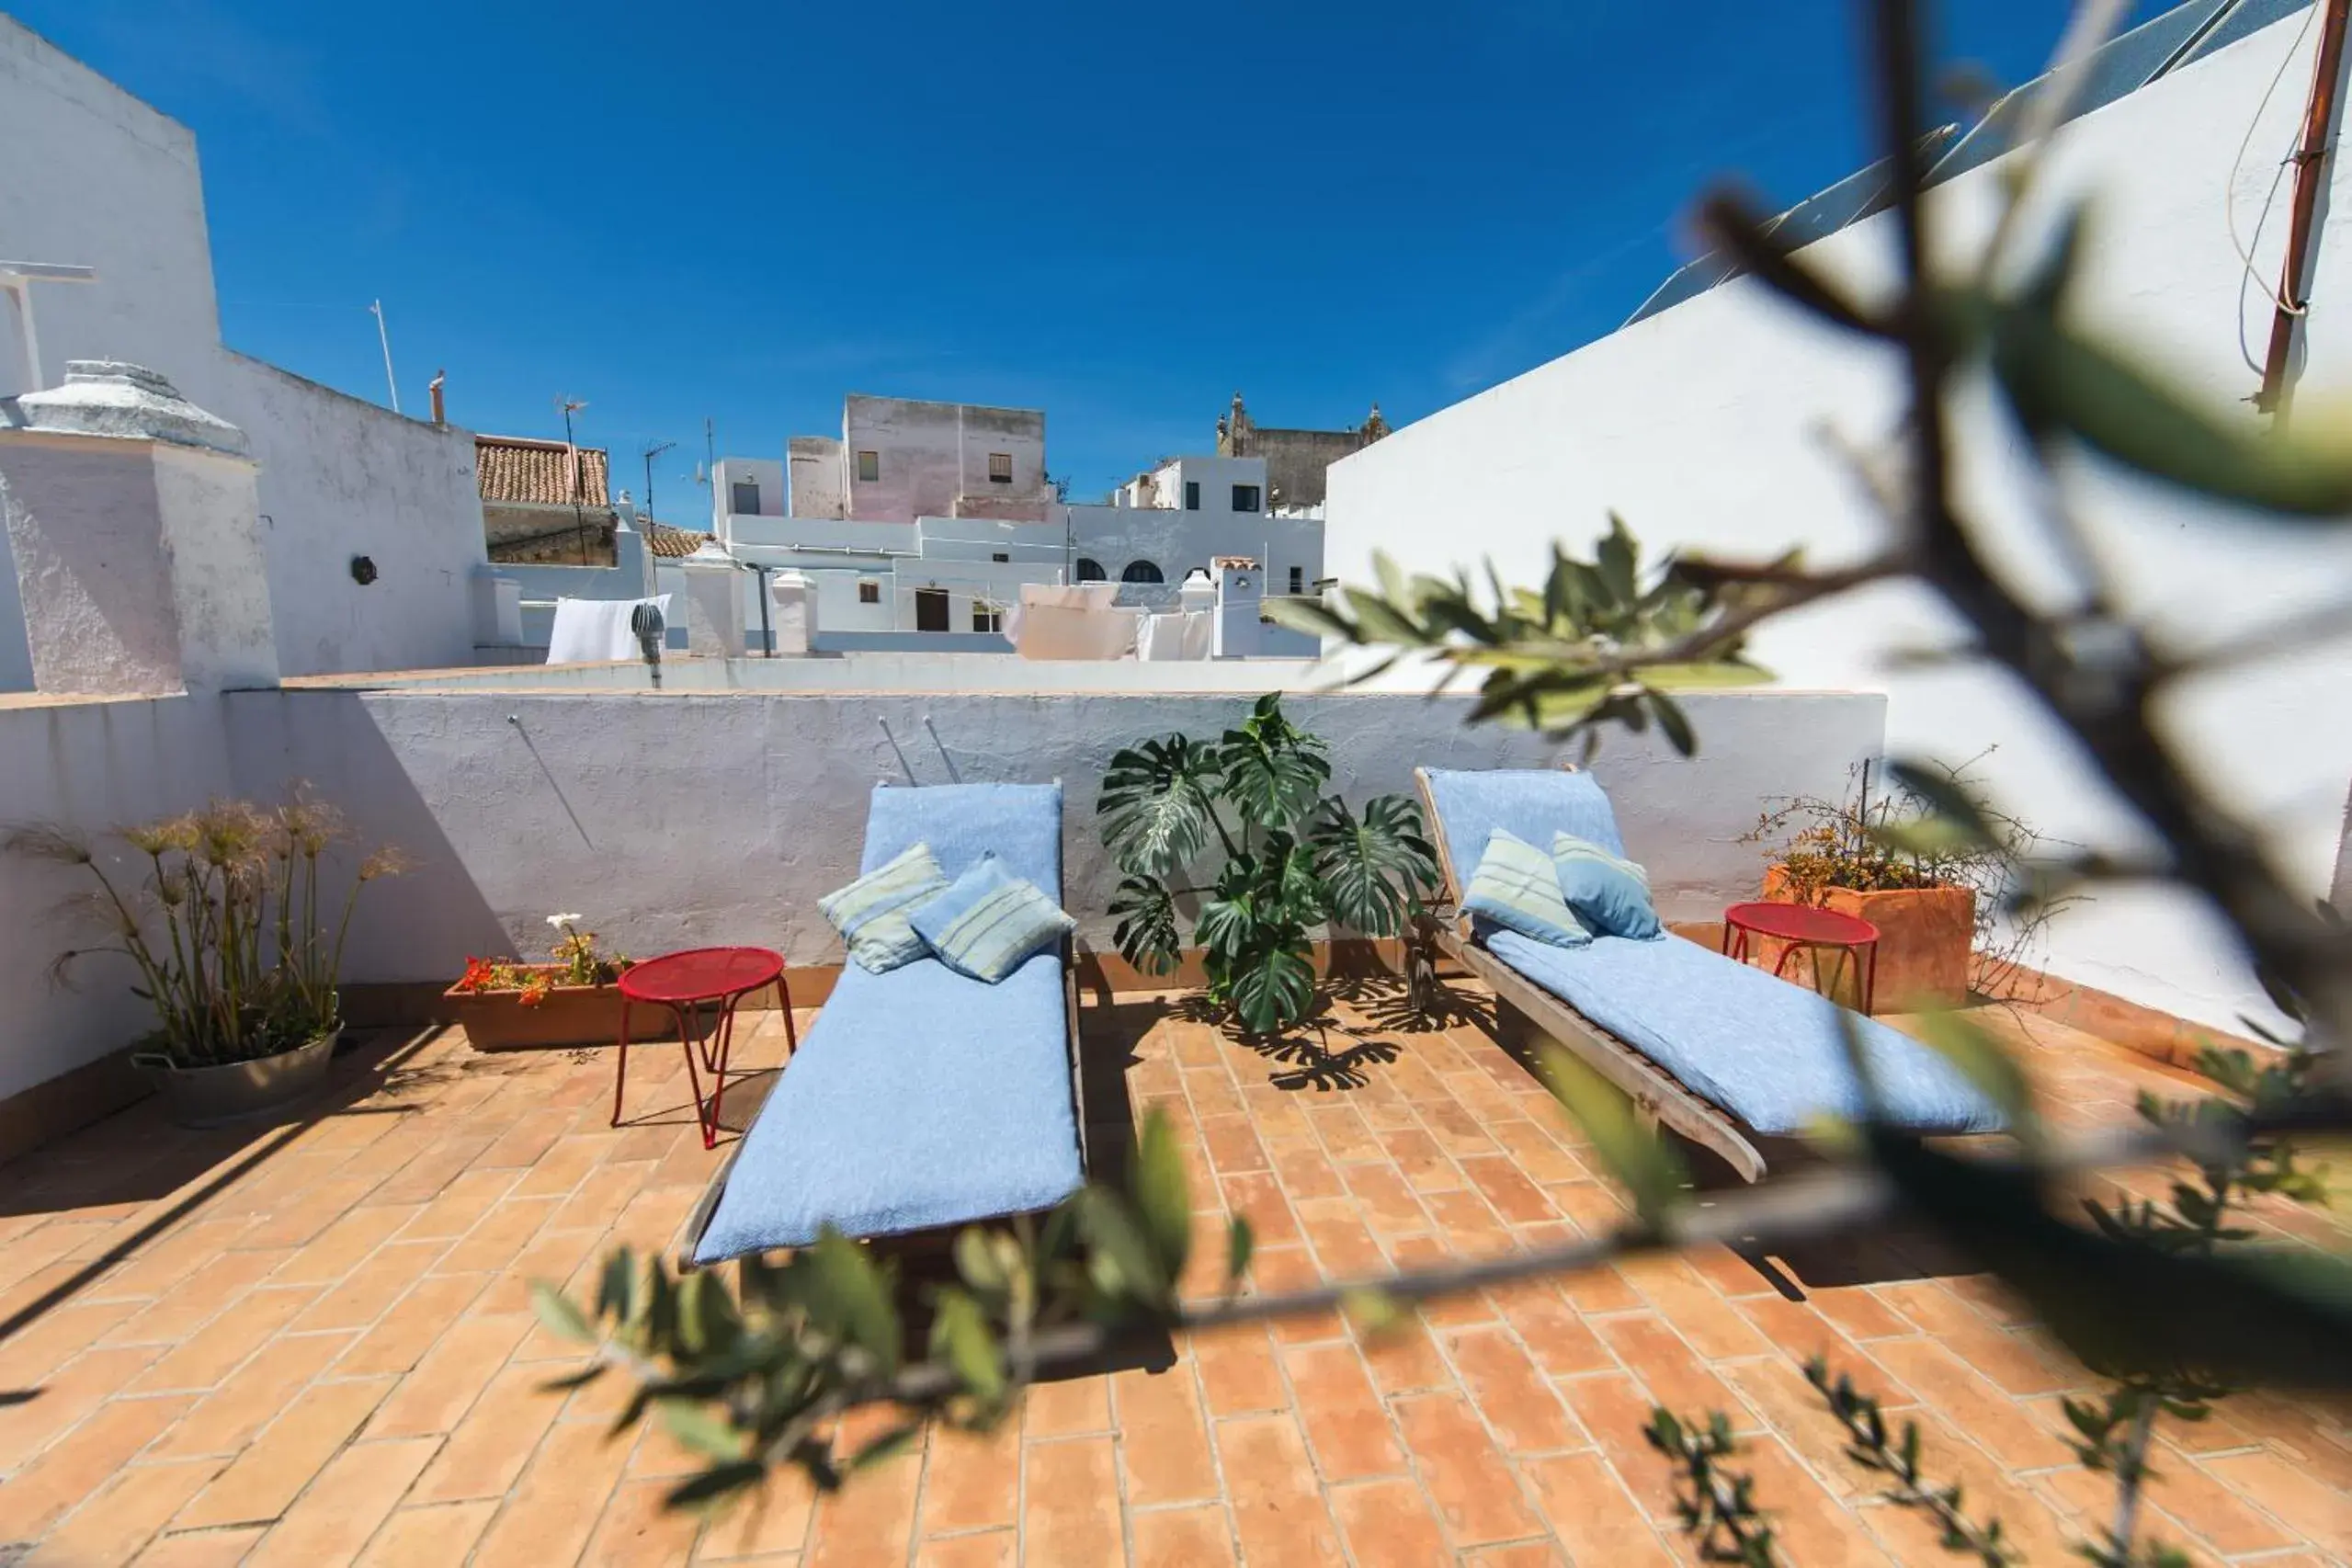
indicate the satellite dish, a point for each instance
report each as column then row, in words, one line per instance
column 700, row 477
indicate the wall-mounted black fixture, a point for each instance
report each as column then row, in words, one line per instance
column 363, row 570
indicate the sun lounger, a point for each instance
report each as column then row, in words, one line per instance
column 920, row 1099
column 1723, row 1053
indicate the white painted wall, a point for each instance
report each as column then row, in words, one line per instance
column 88, row 767
column 766, row 472
column 695, row 819
column 817, row 485
column 97, row 178
column 1701, row 426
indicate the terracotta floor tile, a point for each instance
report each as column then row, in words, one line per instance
column 1426, row 1167
column 1518, row 1403
column 489, row 1448
column 1344, row 1134
column 1239, row 1373
column 1555, row 1334
column 35, row 1353
column 1307, row 1174
column 1403, row 1357
column 1776, row 1388
column 225, row 1420
column 1502, row 1184
column 1713, row 1327
column 1537, row 1156
column 1807, row 1523
column 1596, row 1519
column 402, row 1336
column 1257, row 1195
column 381, row 1279
column 603, row 1193
column 460, row 1205
column 554, row 1505
column 432, row 1537
column 1387, row 1524
column 636, row 1529
column 765, row 1526
column 211, row 1290
column 1526, row 1554
column 1067, row 1408
column 990, row 1549
column 1613, row 1408
column 1669, row 1368
column 66, row 1397
column 1446, row 1311
column 1070, row 1509
column 2319, row 1513
column 1182, row 1538
column 331, row 1255
column 2005, row 1428
column 1163, row 1438
column 350, row 1499
column 1345, row 1423
column 436, row 1393
column 1279, row 1514
column 216, row 1349
column 1464, row 1473
column 972, row 1479
column 201, row 1549
column 1233, row 1145
column 269, row 1474
column 500, row 1238
column 1343, row 1248
column 82, row 1461
column 870, row 1522
column 551, row 1257
column 1278, row 1271
column 122, row 1517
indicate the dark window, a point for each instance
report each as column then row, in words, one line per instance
column 930, row 610
column 1245, row 497
column 1001, row 559
column 1192, row 496
column 986, row 617
column 1141, row 571
column 748, row 496
column 869, row 466
column 1298, row 579
column 1090, row 570
column 869, row 593
column 1000, row 468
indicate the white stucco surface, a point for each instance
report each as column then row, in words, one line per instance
column 686, row 818
column 96, row 177
column 88, row 767
column 1702, row 427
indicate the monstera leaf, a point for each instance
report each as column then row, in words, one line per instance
column 1155, row 805
column 1272, row 769
column 1273, row 984
column 1146, row 933
column 1372, row 869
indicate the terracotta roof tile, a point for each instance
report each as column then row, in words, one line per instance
column 519, row 471
column 672, row 544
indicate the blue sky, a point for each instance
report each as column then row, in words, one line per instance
column 1118, row 214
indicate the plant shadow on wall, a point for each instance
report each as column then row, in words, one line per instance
column 1240, row 833
column 2169, row 1300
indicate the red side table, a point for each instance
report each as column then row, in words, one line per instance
column 684, row 983
column 1800, row 927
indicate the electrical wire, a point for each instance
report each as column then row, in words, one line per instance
column 2229, row 190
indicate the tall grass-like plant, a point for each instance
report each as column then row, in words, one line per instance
column 238, row 947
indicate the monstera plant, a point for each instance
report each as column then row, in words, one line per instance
column 1240, row 831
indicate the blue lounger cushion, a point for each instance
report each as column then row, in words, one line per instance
column 1768, row 1053
column 920, row 1097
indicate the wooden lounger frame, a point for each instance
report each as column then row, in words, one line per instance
column 1657, row 1094
column 697, row 1218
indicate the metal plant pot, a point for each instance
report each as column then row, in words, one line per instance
column 239, row 1091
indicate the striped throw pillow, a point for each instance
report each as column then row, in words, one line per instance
column 1515, row 887
column 1609, row 894
column 988, row 921
column 870, row 912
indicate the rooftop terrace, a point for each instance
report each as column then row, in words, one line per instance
column 313, row 1345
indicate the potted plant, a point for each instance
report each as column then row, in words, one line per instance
column 504, row 1004
column 243, row 973
column 1240, row 831
column 1939, row 899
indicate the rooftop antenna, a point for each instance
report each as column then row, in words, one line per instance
column 572, row 451
column 383, row 336
column 652, row 449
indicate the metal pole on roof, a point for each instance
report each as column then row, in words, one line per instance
column 652, row 449
column 572, row 453
column 384, row 337
column 2320, row 118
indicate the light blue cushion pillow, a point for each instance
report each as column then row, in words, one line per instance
column 1517, row 888
column 1609, row 894
column 870, row 912
column 987, row 921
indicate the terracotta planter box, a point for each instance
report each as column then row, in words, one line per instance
column 1925, row 935
column 572, row 1015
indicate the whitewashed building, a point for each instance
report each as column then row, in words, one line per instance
column 371, row 528
column 1700, row 421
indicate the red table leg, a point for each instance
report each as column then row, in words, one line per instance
column 620, row 1073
